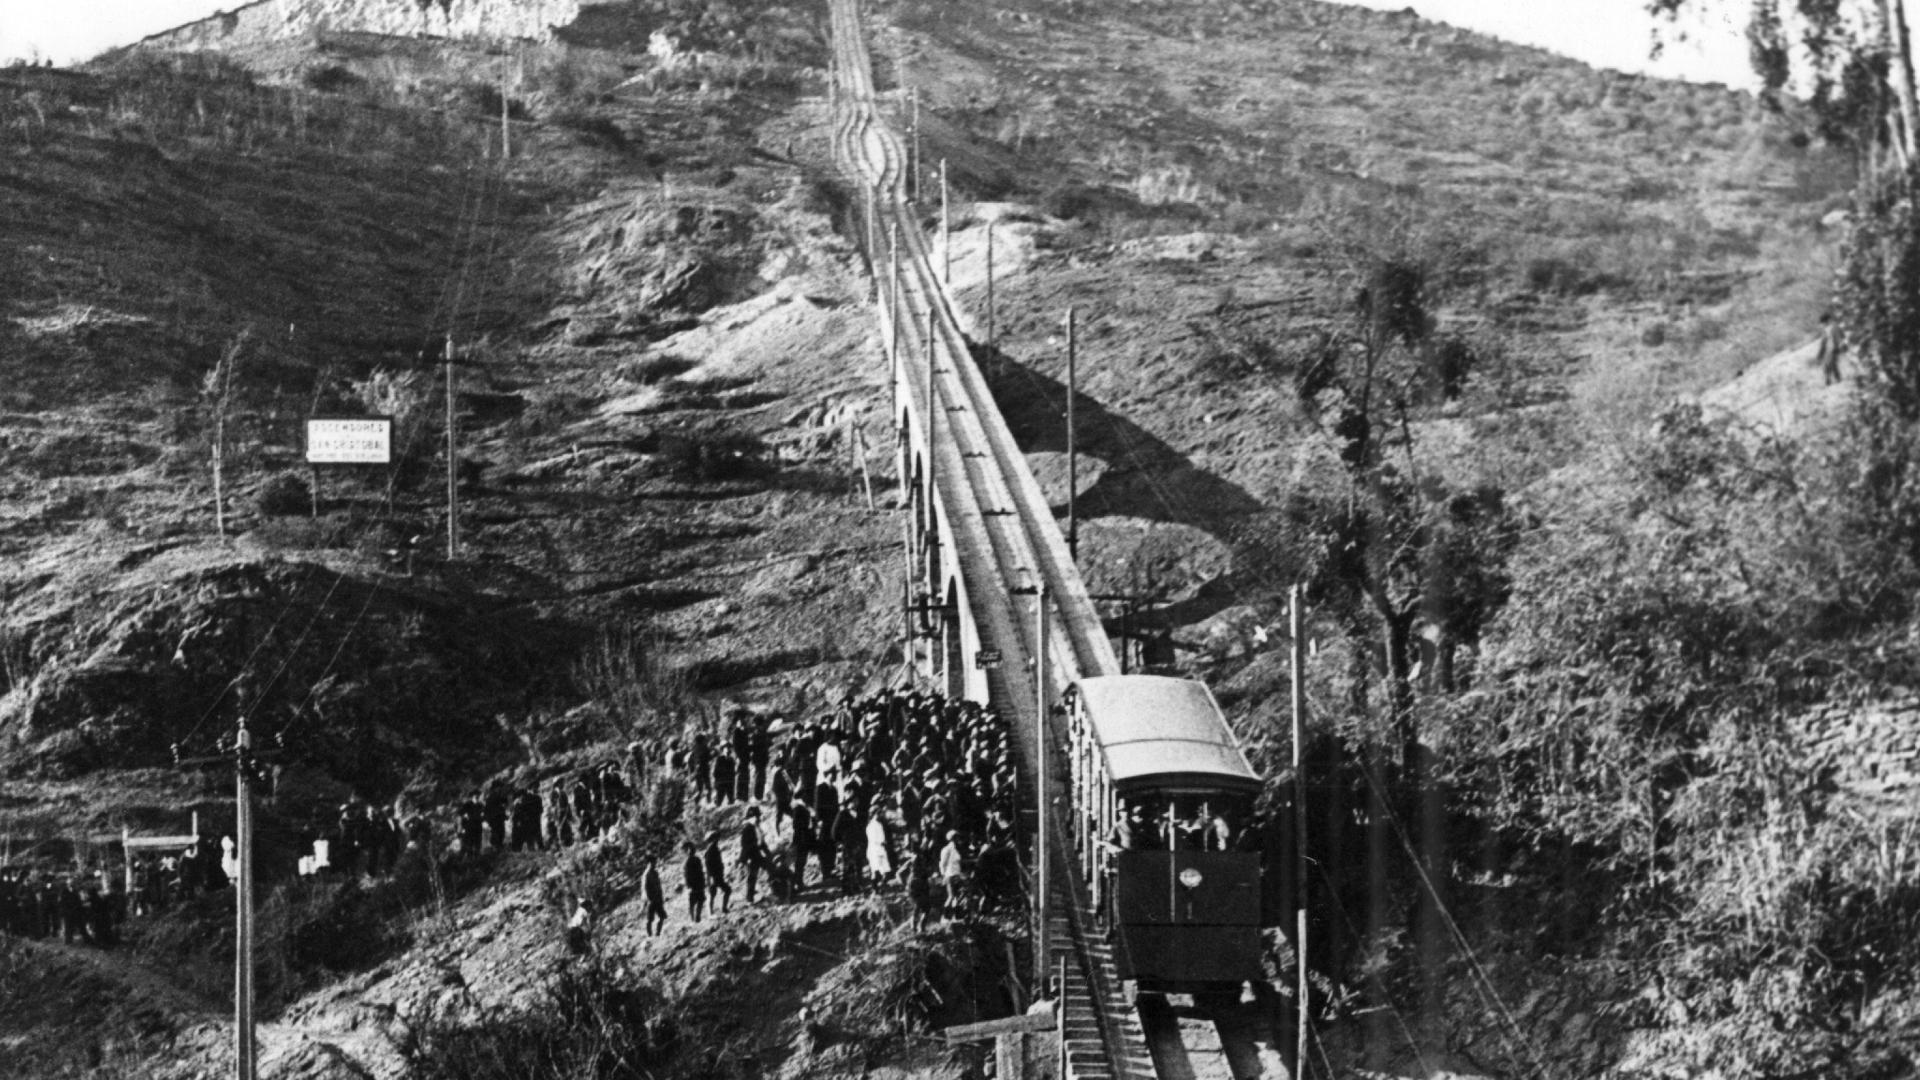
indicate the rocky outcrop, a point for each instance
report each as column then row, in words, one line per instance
column 278, row 19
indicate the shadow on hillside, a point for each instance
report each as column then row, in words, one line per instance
column 1145, row 478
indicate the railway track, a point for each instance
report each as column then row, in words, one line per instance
column 1007, row 539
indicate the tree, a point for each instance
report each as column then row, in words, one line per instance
column 1406, row 562
column 216, row 390
column 1856, row 61
column 1857, row 65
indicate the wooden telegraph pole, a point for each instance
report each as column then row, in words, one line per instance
column 893, row 294
column 1297, row 648
column 1073, row 458
column 989, row 284
column 913, row 190
column 946, row 230
column 246, row 769
column 1043, row 874
column 245, row 1064
column 933, row 428
column 453, row 463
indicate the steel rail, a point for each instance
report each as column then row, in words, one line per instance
column 990, row 494
column 996, row 513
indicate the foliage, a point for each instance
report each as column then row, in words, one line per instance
column 1879, row 291
column 712, row 457
column 284, row 493
column 183, row 101
column 1395, row 553
column 596, row 1021
column 903, row 983
column 1645, row 698
column 626, row 672
column 331, row 78
column 406, row 396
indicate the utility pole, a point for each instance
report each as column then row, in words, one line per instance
column 893, row 294
column 245, row 1064
column 913, row 181
column 453, row 463
column 946, row 230
column 933, row 422
column 506, row 132
column 989, row 284
column 1043, row 875
column 1299, row 700
column 245, row 771
column 1073, row 459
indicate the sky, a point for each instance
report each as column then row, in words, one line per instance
column 1604, row 33
column 1615, row 34
column 70, row 30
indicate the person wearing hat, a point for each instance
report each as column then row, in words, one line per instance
column 656, row 894
column 753, row 850
column 694, row 872
column 717, row 875
column 879, row 847
column 953, row 871
column 781, row 788
column 802, row 846
column 920, row 891
column 580, row 927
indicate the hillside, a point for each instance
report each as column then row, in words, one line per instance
column 669, row 411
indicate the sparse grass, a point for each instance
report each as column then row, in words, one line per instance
column 596, row 1019
column 628, row 674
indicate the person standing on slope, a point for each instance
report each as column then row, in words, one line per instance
column 1831, row 346
column 656, row 897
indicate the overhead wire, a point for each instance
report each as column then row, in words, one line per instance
column 246, row 667
column 485, row 206
column 1399, row 1018
column 1484, row 982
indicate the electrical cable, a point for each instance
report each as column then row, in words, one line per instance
column 490, row 194
column 1485, row 983
column 246, row 667
column 1399, row 1018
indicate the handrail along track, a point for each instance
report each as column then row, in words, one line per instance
column 1002, row 529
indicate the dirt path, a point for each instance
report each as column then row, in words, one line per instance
column 1784, row 393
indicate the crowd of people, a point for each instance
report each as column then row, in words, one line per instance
column 74, row 908
column 897, row 789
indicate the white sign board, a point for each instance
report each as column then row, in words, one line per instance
column 355, row 440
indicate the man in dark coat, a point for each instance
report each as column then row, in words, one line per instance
column 826, row 812
column 700, row 760
column 724, row 765
column 527, row 812
column 802, row 843
column 753, row 851
column 850, row 836
column 716, row 867
column 656, row 897
column 742, row 739
column 782, row 790
column 496, row 806
column 473, row 823
column 759, row 754
column 695, row 873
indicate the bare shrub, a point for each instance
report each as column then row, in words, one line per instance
column 596, row 1019
column 626, row 672
column 712, row 457
column 283, row 494
column 406, row 396
column 653, row 369
column 331, row 78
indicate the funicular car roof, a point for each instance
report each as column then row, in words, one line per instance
column 1157, row 729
